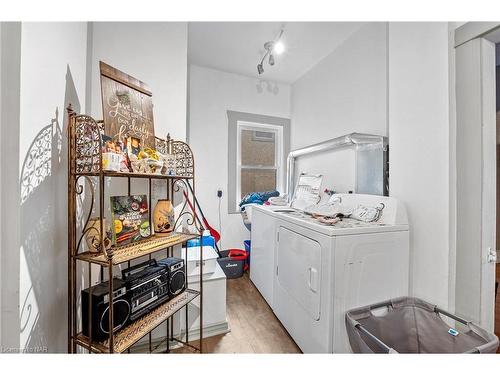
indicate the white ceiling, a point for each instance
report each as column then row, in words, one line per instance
column 238, row 47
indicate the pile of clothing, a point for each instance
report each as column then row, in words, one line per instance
column 258, row 197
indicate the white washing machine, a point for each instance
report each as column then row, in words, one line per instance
column 311, row 274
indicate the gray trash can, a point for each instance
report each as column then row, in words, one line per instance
column 411, row 325
column 233, row 267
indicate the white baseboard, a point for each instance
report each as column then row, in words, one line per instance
column 208, row 331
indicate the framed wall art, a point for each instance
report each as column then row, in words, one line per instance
column 127, row 106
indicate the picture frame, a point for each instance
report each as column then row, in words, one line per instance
column 127, row 106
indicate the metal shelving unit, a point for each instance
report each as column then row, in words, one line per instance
column 86, row 178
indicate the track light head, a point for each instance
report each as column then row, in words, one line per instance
column 260, row 68
column 271, row 59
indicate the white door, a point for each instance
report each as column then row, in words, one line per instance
column 476, row 181
column 303, row 288
column 298, row 262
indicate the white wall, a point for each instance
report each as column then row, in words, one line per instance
column 155, row 53
column 419, row 146
column 53, row 74
column 345, row 92
column 397, row 87
column 211, row 94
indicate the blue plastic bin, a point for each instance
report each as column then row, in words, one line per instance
column 248, row 246
column 206, row 240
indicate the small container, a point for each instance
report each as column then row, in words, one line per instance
column 111, row 161
column 207, row 240
column 232, row 262
column 193, row 260
column 154, row 166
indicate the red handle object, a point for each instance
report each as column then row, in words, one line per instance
column 237, row 254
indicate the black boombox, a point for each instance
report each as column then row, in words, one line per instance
column 147, row 286
column 142, row 288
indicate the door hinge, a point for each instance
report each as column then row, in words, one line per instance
column 492, row 255
column 277, row 236
column 276, row 270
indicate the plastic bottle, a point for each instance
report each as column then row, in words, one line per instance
column 207, row 240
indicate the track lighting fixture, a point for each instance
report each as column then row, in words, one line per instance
column 272, row 47
column 260, row 69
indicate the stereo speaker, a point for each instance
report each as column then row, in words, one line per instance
column 99, row 314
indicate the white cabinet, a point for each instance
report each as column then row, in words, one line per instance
column 214, row 306
column 263, row 252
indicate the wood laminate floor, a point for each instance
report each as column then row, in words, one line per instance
column 254, row 328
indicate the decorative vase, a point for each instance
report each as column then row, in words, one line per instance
column 93, row 235
column 163, row 217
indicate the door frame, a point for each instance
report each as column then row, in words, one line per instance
column 477, row 39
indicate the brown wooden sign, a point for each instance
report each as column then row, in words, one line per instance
column 127, row 106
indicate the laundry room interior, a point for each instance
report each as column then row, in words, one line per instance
column 249, row 187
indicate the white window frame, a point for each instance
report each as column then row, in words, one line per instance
column 233, row 117
column 278, row 157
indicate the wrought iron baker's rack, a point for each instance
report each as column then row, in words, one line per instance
column 85, row 173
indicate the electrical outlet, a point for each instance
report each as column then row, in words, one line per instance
column 219, row 193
